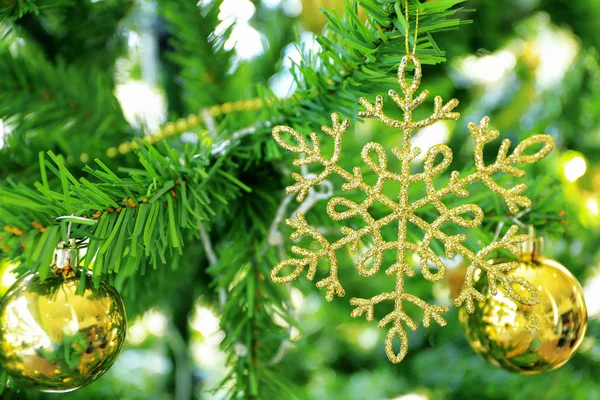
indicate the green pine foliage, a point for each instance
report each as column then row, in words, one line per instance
column 358, row 59
column 151, row 211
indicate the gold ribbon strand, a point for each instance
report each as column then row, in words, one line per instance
column 184, row 124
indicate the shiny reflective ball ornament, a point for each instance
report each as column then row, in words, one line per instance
column 55, row 340
column 529, row 339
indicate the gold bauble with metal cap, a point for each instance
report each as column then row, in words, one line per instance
column 54, row 339
column 529, row 339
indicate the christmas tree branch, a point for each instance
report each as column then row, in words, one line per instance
column 47, row 107
column 197, row 52
column 48, row 63
column 357, row 58
column 74, row 31
column 142, row 218
column 11, row 10
column 248, row 317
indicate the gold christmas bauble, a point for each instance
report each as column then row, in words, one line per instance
column 7, row 276
column 55, row 340
column 529, row 339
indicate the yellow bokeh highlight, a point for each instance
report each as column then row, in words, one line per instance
column 575, row 168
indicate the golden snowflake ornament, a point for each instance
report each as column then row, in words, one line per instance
column 404, row 212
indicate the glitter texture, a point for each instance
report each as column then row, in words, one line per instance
column 403, row 212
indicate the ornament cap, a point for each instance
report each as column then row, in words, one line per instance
column 66, row 256
column 533, row 247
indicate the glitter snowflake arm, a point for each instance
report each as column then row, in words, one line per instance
column 351, row 237
column 496, row 273
column 312, row 154
column 407, row 104
column 310, row 259
column 505, row 163
column 398, row 317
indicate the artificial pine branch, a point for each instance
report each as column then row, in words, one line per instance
column 45, row 95
column 196, row 52
column 11, row 10
column 249, row 313
column 49, row 108
column 359, row 58
column 142, row 218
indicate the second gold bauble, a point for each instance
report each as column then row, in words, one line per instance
column 529, row 339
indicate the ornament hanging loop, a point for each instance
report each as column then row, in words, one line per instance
column 72, row 219
column 77, row 220
column 407, row 33
column 410, row 57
